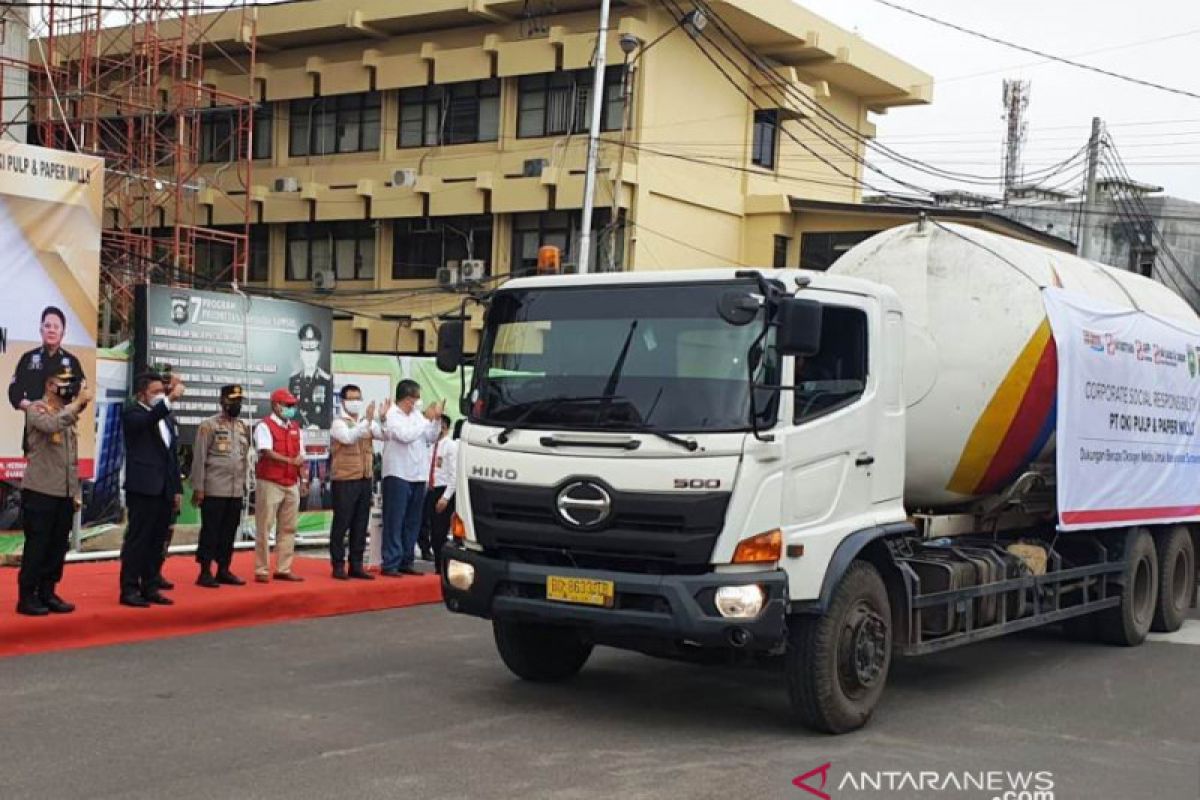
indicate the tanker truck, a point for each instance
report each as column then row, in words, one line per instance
column 826, row 470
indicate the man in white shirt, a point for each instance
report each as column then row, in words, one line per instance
column 407, row 435
column 352, row 465
column 439, row 501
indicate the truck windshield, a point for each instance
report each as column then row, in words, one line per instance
column 618, row 358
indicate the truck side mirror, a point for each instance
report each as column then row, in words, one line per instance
column 799, row 323
column 450, row 346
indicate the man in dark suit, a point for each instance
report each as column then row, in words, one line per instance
column 153, row 487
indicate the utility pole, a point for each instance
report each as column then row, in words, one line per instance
column 1084, row 246
column 589, row 181
column 1016, row 101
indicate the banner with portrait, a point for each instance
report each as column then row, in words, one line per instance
column 50, row 222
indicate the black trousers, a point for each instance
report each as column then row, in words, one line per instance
column 145, row 541
column 439, row 524
column 48, row 523
column 351, row 512
column 220, row 518
column 425, row 537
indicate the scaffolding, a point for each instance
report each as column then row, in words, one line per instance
column 126, row 80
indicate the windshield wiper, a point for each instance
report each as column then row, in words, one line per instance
column 691, row 445
column 538, row 405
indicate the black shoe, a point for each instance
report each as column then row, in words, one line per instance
column 392, row 573
column 409, row 570
column 427, row 555
column 157, row 599
column 339, row 574
column 57, row 605
column 227, row 578
column 361, row 574
column 134, row 600
column 163, row 584
column 32, row 607
column 207, row 580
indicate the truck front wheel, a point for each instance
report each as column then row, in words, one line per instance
column 541, row 653
column 1176, row 579
column 837, row 663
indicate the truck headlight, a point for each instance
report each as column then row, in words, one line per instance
column 460, row 575
column 740, row 602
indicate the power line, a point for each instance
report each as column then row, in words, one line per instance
column 1039, row 53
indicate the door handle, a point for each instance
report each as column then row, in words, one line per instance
column 864, row 461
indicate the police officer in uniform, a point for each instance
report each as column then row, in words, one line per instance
column 50, row 492
column 312, row 386
column 36, row 366
column 220, row 461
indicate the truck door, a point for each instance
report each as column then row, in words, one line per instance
column 828, row 446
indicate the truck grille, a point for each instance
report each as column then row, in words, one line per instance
column 646, row 532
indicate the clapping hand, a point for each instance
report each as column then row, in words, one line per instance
column 371, row 411
column 176, row 388
column 383, row 411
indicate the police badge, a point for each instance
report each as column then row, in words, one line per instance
column 179, row 310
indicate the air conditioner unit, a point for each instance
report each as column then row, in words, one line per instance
column 404, row 178
column 447, row 276
column 287, row 185
column 472, row 271
column 324, row 280
column 534, row 166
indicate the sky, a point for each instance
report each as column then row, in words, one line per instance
column 1157, row 133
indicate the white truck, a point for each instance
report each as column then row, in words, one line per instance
column 834, row 467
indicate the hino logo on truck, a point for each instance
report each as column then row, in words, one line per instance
column 584, row 504
column 495, row 473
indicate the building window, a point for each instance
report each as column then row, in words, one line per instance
column 561, row 229
column 766, row 138
column 837, row 375
column 345, row 248
column 779, row 259
column 214, row 258
column 423, row 245
column 456, row 113
column 347, row 123
column 217, row 134
column 556, row 103
column 819, row 250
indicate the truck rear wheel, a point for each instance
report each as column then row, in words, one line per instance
column 1128, row 623
column 837, row 663
column 541, row 653
column 1176, row 579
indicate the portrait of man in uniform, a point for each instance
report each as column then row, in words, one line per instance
column 312, row 385
column 28, row 382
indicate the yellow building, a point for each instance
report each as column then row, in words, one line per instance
column 396, row 136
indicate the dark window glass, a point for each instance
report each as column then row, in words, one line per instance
column 422, row 245
column 766, row 138
column 837, row 375
column 781, row 249
column 348, row 123
column 455, row 113
column 218, row 133
column 214, row 258
column 555, row 103
column 345, row 248
column 561, row 229
column 819, row 250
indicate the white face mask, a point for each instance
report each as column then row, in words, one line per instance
column 418, row 406
column 354, row 407
column 155, row 398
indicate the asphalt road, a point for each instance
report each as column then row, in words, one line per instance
column 415, row 704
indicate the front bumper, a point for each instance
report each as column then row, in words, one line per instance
column 665, row 607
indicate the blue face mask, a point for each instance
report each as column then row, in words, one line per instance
column 289, row 412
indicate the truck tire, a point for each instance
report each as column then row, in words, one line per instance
column 1127, row 624
column 540, row 653
column 1176, row 579
column 837, row 663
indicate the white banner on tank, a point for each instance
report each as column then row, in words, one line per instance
column 1128, row 409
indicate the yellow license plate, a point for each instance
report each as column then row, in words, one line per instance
column 583, row 591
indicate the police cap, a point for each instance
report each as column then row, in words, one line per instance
column 64, row 373
column 231, row 392
column 310, row 333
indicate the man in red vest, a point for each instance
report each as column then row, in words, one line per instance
column 280, row 470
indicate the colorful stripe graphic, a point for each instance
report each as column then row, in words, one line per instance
column 1017, row 422
column 1171, row 513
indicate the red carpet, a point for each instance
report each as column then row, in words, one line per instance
column 99, row 619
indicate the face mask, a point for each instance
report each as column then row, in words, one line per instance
column 233, row 410
column 418, row 406
column 68, row 392
column 289, row 412
column 354, row 407
column 155, row 398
